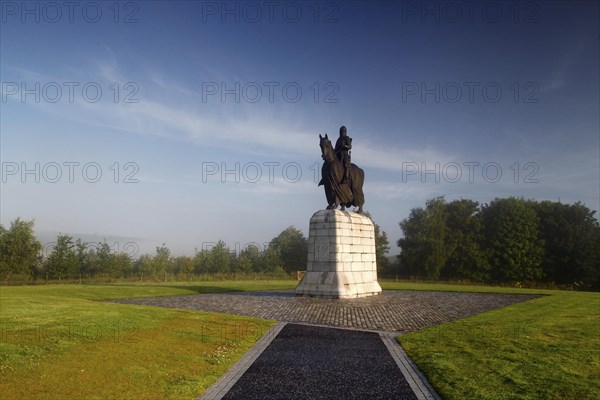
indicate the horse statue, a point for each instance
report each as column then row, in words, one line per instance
column 337, row 190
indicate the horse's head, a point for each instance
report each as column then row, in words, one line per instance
column 327, row 152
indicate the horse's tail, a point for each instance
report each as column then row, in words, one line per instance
column 358, row 178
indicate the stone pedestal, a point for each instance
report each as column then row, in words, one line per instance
column 341, row 256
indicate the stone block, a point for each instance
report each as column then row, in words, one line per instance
column 357, row 249
column 322, row 232
column 346, row 240
column 336, row 257
column 318, row 266
column 346, row 257
column 344, row 225
column 318, row 217
column 356, row 219
column 358, row 266
column 367, row 257
column 330, row 279
column 358, row 277
column 366, row 241
column 311, row 277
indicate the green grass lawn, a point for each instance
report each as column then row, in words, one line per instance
column 59, row 342
column 450, row 287
column 547, row 348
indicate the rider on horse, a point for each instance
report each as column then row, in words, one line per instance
column 342, row 151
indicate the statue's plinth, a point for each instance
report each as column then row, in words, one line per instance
column 341, row 256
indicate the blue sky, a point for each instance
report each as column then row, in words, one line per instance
column 203, row 117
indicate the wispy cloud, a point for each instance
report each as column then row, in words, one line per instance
column 237, row 127
column 563, row 68
column 279, row 186
column 396, row 191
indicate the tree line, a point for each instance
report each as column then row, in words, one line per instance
column 508, row 240
column 21, row 257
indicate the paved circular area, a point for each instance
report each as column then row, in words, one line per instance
column 398, row 311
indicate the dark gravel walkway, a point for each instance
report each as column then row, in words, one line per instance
column 397, row 311
column 309, row 362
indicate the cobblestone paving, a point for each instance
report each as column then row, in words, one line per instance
column 398, row 311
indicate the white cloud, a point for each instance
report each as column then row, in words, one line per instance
column 239, row 126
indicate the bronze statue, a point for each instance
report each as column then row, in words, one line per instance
column 342, row 151
column 343, row 181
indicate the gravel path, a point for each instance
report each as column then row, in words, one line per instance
column 310, row 362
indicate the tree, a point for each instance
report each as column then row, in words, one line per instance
column 162, row 261
column 466, row 258
column 5, row 268
column 255, row 256
column 19, row 249
column 187, row 267
column 83, row 256
column 243, row 265
column 121, row 265
column 201, row 261
column 219, row 258
column 183, row 266
column 63, row 260
column 145, row 266
column 289, row 250
column 423, row 246
column 103, row 260
column 571, row 235
column 512, row 239
column 271, row 260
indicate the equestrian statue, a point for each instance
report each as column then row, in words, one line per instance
column 343, row 181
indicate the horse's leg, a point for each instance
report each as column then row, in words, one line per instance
column 332, row 200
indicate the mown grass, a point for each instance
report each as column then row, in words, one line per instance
column 547, row 348
column 56, row 342
column 451, row 287
column 110, row 291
